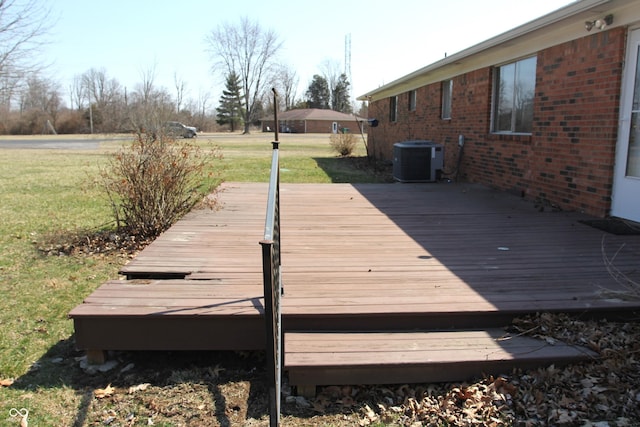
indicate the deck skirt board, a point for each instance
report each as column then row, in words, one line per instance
column 385, row 259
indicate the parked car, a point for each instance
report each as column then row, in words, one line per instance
column 178, row 129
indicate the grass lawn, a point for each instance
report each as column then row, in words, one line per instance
column 47, row 192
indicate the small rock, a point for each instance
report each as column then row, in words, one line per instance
column 107, row 366
column 127, row 368
column 290, row 399
column 93, row 369
column 302, row 402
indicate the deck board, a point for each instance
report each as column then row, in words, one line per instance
column 414, row 357
column 371, row 256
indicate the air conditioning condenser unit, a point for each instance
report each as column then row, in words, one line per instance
column 417, row 161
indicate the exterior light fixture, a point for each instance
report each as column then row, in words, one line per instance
column 599, row 24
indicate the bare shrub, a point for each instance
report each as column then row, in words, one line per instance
column 71, row 121
column 343, row 143
column 155, row 181
column 630, row 286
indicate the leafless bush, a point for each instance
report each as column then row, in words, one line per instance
column 343, row 143
column 155, row 181
column 630, row 287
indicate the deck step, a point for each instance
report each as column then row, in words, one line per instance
column 172, row 315
column 337, row 358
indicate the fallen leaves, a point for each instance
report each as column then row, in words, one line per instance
column 603, row 392
column 92, row 243
column 584, row 393
column 6, row 382
column 101, row 393
column 139, row 387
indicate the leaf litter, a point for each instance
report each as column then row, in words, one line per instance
column 229, row 389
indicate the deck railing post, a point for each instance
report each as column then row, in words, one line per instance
column 272, row 280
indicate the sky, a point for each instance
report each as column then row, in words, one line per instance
column 389, row 39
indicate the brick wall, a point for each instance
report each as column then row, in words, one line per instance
column 568, row 159
column 313, row 126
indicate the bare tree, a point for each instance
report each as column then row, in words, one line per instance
column 248, row 50
column 9, row 86
column 151, row 106
column 105, row 98
column 99, row 88
column 286, row 81
column 40, row 104
column 201, row 107
column 23, row 27
column 180, row 86
column 331, row 71
column 37, row 94
column 78, row 92
column 146, row 87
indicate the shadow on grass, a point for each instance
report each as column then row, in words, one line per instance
column 354, row 170
column 219, row 388
column 180, row 387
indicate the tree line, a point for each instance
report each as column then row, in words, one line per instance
column 245, row 54
column 97, row 103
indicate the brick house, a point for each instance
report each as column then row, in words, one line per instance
column 314, row 120
column 547, row 110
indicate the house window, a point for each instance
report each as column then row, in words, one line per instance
column 412, row 100
column 393, row 109
column 447, row 91
column 513, row 96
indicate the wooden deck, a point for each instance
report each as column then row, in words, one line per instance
column 371, row 257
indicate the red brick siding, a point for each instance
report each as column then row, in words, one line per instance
column 576, row 121
column 313, row 126
column 568, row 159
column 319, row 126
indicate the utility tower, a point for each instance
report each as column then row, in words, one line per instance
column 347, row 61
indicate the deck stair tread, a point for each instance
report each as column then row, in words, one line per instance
column 335, row 358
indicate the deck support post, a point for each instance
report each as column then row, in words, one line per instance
column 306, row 390
column 96, row 357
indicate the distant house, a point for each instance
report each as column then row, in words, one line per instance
column 549, row 110
column 313, row 120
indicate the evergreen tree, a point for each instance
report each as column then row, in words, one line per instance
column 231, row 109
column 340, row 97
column 318, row 95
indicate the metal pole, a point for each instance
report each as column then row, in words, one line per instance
column 275, row 115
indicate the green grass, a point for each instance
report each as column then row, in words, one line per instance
column 44, row 192
column 307, row 158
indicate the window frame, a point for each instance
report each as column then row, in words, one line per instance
column 412, row 101
column 393, row 109
column 520, row 119
column 447, row 98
